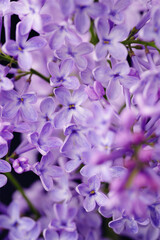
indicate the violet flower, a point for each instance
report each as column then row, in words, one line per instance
column 60, row 75
column 71, row 107
column 48, row 171
column 29, row 13
column 91, row 193
column 84, row 10
column 76, row 53
column 22, row 48
column 110, row 41
column 45, row 140
column 19, row 104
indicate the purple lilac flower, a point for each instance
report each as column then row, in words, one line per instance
column 75, row 138
column 61, row 34
column 45, row 140
column 48, row 171
column 64, row 217
column 47, row 108
column 110, row 41
column 29, row 12
column 23, row 48
column 19, row 104
column 19, row 226
column 21, row 165
column 115, row 9
column 151, row 31
column 71, row 107
column 77, row 53
column 91, row 193
column 84, row 10
column 60, row 75
column 114, row 78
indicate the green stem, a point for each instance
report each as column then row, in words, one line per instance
column 33, row 71
column 4, row 57
column 150, row 44
column 20, row 189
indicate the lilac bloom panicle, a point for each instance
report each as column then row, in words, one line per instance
column 19, row 104
column 22, row 48
column 91, row 193
column 110, row 41
column 60, row 75
column 71, row 107
column 48, row 171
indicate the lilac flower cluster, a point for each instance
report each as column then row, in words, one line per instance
column 84, row 95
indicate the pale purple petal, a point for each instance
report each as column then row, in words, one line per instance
column 118, row 51
column 19, row 8
column 95, row 10
column 35, row 43
column 63, row 95
column 82, row 21
column 4, row 166
column 114, row 89
column 47, row 106
column 50, row 234
column 3, row 147
column 83, row 189
column 100, row 198
column 81, row 115
column 121, row 68
column 81, row 62
column 10, row 110
column 57, row 39
column 89, row 203
column 47, row 182
column 62, row 118
column 94, row 183
column 79, row 96
column 26, row 222
column 29, row 113
column 3, row 180
column 117, row 225
column 103, row 28
column 118, row 33
column 71, row 82
column 11, row 48
column 101, row 50
column 26, row 24
column 71, row 165
column 25, row 60
column 53, row 69
column 6, row 84
column 66, row 67
column 84, row 48
column 69, row 235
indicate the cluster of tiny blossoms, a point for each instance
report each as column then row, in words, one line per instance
column 84, row 95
